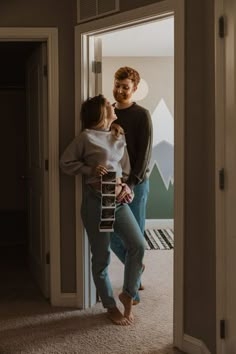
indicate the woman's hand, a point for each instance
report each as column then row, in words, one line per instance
column 126, row 195
column 100, row 170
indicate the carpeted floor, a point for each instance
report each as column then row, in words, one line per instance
column 29, row 325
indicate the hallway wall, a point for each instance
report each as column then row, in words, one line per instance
column 62, row 14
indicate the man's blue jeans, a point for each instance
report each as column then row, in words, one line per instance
column 138, row 207
column 127, row 229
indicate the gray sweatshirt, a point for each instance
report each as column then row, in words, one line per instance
column 96, row 147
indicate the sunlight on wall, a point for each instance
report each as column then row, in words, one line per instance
column 142, row 91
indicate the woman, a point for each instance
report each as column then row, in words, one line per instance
column 95, row 152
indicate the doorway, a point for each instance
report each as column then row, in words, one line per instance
column 31, row 111
column 155, row 64
column 23, row 102
column 86, row 55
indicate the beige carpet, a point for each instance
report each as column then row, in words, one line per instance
column 29, row 325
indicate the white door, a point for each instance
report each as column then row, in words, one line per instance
column 230, row 168
column 37, row 166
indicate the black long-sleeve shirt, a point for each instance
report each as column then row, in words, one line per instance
column 137, row 124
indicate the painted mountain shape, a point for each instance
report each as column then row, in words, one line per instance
column 163, row 158
column 160, row 200
column 163, row 124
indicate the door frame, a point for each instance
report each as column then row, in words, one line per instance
column 50, row 36
column 219, row 163
column 82, row 34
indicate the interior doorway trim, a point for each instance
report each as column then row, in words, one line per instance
column 82, row 34
column 50, row 35
column 220, row 67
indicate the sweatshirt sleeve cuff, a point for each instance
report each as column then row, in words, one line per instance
column 86, row 170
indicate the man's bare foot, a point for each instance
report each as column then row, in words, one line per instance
column 136, row 302
column 116, row 317
column 141, row 287
column 127, row 302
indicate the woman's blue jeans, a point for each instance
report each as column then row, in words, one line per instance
column 138, row 207
column 127, row 229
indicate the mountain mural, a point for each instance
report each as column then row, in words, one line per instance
column 163, row 157
column 161, row 175
column 163, row 124
column 160, row 203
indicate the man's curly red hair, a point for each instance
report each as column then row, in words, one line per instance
column 128, row 73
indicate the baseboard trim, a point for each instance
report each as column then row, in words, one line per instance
column 193, row 345
column 66, row 300
column 162, row 223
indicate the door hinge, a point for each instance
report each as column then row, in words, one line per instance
column 47, row 258
column 97, row 67
column 221, row 26
column 46, row 165
column 222, row 179
column 45, row 70
column 222, row 329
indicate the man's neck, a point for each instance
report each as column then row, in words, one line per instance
column 123, row 105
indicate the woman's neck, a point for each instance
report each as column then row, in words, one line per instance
column 104, row 126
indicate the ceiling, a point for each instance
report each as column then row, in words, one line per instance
column 151, row 39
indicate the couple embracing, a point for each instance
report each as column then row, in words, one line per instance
column 114, row 138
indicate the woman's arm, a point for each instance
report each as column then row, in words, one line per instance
column 71, row 161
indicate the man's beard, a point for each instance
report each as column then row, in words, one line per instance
column 120, row 97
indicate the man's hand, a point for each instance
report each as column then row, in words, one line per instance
column 126, row 195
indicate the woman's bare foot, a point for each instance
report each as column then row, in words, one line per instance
column 116, row 317
column 127, row 302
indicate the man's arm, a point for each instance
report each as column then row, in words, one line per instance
column 143, row 150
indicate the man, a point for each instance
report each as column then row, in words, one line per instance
column 137, row 124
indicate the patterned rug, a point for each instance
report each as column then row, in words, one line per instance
column 159, row 239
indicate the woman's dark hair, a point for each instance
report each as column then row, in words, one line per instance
column 92, row 111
